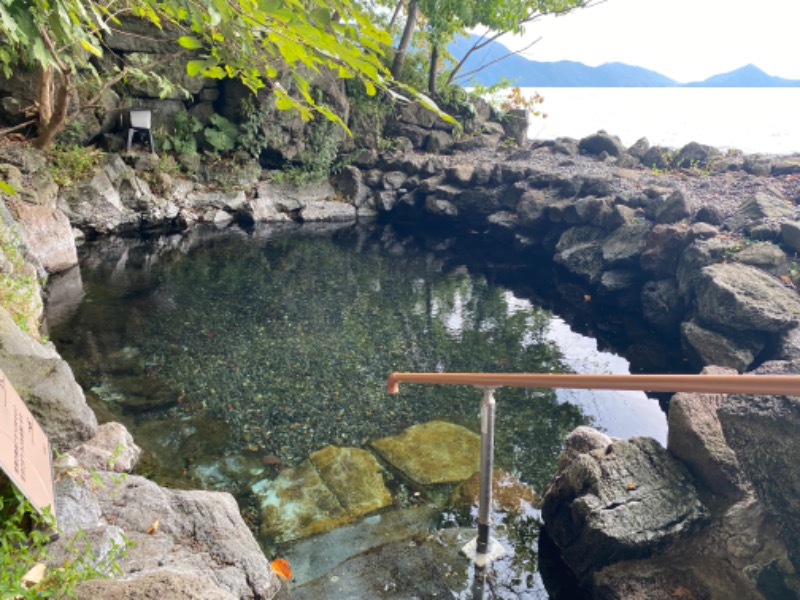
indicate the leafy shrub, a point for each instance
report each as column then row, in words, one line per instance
column 19, row 287
column 69, row 164
column 253, row 139
column 182, row 140
column 23, row 545
column 221, row 134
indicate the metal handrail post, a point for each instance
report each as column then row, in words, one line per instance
column 486, row 470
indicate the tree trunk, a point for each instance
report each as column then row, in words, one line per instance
column 48, row 131
column 44, row 96
column 405, row 41
column 433, row 70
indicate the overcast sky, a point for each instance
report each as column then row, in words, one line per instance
column 687, row 40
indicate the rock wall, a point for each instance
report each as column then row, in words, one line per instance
column 706, row 256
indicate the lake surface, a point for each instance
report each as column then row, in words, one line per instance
column 227, row 353
column 754, row 120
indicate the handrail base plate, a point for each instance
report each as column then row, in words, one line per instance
column 496, row 551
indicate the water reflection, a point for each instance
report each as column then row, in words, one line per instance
column 231, row 356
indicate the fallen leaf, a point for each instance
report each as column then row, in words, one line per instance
column 282, row 568
column 34, row 576
column 153, row 527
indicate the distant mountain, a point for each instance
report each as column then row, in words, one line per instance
column 747, row 76
column 530, row 73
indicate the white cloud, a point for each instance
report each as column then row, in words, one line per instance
column 687, row 40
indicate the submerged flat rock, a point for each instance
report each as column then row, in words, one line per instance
column 433, row 452
column 314, row 557
column 333, row 487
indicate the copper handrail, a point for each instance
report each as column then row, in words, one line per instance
column 484, row 550
column 723, row 384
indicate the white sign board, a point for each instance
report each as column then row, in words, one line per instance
column 24, row 449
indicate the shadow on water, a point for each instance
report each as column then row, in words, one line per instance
column 232, row 356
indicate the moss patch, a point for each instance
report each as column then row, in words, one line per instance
column 433, row 452
column 333, row 487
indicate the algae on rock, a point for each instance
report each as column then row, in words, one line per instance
column 333, row 487
column 433, row 452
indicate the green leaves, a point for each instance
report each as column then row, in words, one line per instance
column 7, row 188
column 192, row 43
column 254, row 40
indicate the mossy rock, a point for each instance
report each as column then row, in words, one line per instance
column 432, row 453
column 354, row 477
column 333, row 487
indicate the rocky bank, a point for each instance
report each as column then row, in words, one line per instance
column 702, row 246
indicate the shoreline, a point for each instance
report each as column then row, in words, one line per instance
column 706, row 114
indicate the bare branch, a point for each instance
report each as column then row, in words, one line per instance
column 395, row 14
column 496, row 60
column 94, row 101
column 7, row 130
column 485, row 40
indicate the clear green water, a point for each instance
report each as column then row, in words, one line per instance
column 231, row 356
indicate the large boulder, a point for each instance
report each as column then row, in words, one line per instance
column 47, row 386
column 744, row 298
column 158, row 584
column 197, row 535
column 628, row 500
column 328, row 212
column 790, row 234
column 111, row 449
column 349, row 184
column 697, row 255
column 737, row 556
column 695, row 437
column 97, row 205
column 696, row 156
column 532, row 208
column 727, row 348
column 585, row 261
column 762, row 430
column 760, row 217
column 600, row 142
column 625, row 244
column 48, row 235
column 673, row 208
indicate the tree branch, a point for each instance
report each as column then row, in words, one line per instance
column 487, row 65
column 7, row 130
column 94, row 100
column 484, row 41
